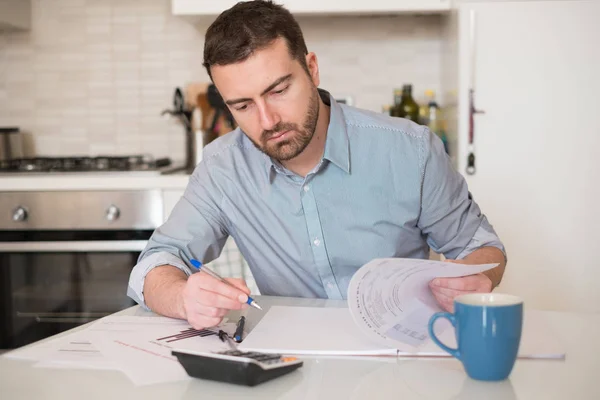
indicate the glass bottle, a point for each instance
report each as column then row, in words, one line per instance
column 435, row 121
column 424, row 108
column 397, row 99
column 408, row 107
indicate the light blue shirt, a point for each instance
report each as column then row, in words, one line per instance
column 384, row 188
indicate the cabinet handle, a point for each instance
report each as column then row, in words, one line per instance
column 471, row 169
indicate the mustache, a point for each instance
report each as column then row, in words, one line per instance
column 280, row 127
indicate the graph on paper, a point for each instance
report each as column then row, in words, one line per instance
column 186, row 334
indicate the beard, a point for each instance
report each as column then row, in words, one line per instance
column 298, row 137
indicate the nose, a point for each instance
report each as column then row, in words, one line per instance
column 268, row 116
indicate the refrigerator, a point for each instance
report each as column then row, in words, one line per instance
column 524, row 78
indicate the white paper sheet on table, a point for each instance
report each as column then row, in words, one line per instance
column 126, row 343
column 144, row 358
column 390, row 304
column 331, row 331
column 76, row 351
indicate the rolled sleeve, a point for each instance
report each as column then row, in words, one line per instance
column 450, row 218
column 484, row 236
column 196, row 229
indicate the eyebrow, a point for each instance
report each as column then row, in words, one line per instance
column 267, row 90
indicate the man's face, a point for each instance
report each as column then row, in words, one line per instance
column 272, row 98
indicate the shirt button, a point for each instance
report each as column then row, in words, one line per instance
column 330, row 285
column 306, row 188
column 317, row 242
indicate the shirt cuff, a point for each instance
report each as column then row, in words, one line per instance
column 135, row 290
column 483, row 238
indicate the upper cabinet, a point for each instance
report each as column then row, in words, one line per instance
column 15, row 15
column 319, row 7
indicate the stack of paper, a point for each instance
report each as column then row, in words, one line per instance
column 140, row 347
column 332, row 331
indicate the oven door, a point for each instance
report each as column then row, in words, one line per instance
column 54, row 281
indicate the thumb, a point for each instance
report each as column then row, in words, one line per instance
column 239, row 283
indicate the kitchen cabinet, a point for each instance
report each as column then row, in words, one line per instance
column 15, row 15
column 318, row 7
column 533, row 67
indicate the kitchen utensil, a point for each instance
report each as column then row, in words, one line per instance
column 11, row 143
column 216, row 101
column 184, row 115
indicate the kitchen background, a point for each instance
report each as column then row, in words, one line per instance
column 91, row 76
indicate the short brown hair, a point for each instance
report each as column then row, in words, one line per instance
column 250, row 26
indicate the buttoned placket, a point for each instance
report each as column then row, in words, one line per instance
column 317, row 242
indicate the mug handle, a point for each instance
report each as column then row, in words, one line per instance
column 452, row 319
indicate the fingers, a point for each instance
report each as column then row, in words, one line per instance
column 212, row 312
column 446, row 289
column 446, row 302
column 210, row 284
column 206, row 300
column 450, row 293
column 217, row 300
column 199, row 321
column 240, row 284
column 470, row 283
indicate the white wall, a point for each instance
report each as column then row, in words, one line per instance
column 92, row 76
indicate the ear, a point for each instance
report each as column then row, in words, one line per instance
column 313, row 68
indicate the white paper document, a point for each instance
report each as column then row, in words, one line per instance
column 390, row 299
column 332, row 331
column 390, row 305
column 142, row 349
column 138, row 346
column 310, row 330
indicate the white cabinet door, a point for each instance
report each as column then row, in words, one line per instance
column 170, row 198
column 318, row 7
column 537, row 77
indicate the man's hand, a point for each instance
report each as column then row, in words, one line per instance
column 206, row 300
column 446, row 289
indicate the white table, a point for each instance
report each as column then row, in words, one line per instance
column 576, row 378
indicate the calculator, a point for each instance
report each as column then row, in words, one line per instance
column 234, row 366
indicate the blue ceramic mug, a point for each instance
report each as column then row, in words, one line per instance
column 488, row 332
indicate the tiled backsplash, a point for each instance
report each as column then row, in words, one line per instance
column 92, row 76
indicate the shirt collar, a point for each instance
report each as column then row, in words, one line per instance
column 337, row 148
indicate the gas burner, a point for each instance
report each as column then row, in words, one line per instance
column 84, row 164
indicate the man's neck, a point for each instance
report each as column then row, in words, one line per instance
column 312, row 154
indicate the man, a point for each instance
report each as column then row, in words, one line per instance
column 309, row 189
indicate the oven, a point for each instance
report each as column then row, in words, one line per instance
column 65, row 257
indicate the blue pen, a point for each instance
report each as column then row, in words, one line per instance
column 201, row 267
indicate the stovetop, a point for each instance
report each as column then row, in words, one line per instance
column 84, row 164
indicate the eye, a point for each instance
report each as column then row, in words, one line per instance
column 242, row 108
column 280, row 91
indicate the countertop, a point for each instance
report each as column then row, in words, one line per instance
column 92, row 181
column 576, row 377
